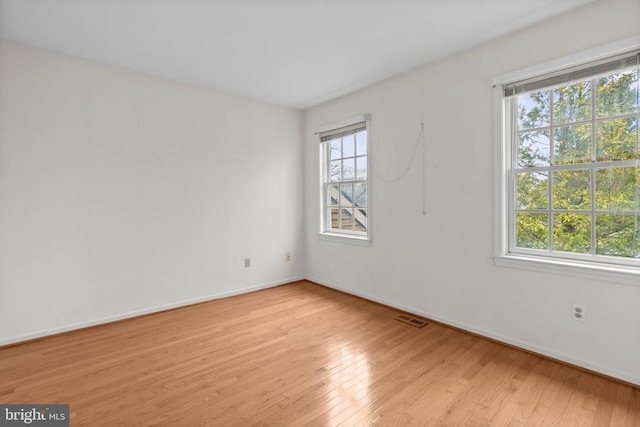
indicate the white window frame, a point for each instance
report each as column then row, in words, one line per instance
column 503, row 211
column 358, row 238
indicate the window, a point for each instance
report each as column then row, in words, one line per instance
column 569, row 184
column 344, row 153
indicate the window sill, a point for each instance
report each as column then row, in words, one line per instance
column 627, row 275
column 342, row 238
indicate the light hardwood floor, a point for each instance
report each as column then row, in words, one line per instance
column 296, row 355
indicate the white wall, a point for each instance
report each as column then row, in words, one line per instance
column 440, row 264
column 122, row 193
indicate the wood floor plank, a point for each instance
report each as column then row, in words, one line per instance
column 404, row 385
column 521, row 405
column 301, row 354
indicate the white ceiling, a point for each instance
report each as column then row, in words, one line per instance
column 296, row 53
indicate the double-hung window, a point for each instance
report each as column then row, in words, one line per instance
column 569, row 179
column 344, row 154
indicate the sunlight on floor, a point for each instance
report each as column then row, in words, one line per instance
column 350, row 382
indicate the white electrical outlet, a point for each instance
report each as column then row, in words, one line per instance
column 578, row 312
column 247, row 262
column 287, row 256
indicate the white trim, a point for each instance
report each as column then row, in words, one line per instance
column 594, row 271
column 342, row 123
column 624, row 376
column 149, row 310
column 342, row 238
column 579, row 58
column 500, row 187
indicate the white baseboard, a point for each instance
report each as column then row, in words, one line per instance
column 624, row 376
column 148, row 310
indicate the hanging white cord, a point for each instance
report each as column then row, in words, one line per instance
column 413, row 156
column 419, row 141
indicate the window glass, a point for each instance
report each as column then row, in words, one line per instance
column 345, row 204
column 574, row 176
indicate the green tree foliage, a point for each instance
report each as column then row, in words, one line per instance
column 564, row 126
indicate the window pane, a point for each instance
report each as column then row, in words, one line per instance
column 571, row 163
column 532, row 191
column 533, row 110
column 349, row 169
column 572, row 232
column 333, row 195
column 618, row 235
column 335, row 218
column 532, row 230
column 336, row 149
column 346, row 219
column 360, row 194
column 618, row 189
column 361, row 220
column 618, row 139
column 534, row 149
column 572, row 144
column 348, row 146
column 361, row 143
column 335, row 171
column 361, row 168
column 346, row 195
column 617, row 94
column 572, row 103
column 571, row 190
column 345, row 202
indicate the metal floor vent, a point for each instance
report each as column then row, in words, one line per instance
column 418, row 323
